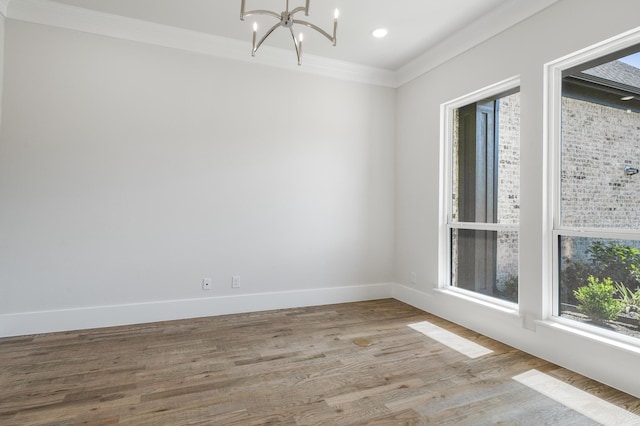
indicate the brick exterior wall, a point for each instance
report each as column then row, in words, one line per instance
column 508, row 186
column 598, row 141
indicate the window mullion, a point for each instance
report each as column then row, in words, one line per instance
column 481, row 226
column 610, row 233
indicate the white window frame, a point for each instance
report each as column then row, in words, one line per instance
column 447, row 110
column 552, row 184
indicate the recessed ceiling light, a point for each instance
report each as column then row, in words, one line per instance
column 380, row 32
column 626, row 98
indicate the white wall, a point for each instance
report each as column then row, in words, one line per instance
column 523, row 50
column 2, row 19
column 129, row 172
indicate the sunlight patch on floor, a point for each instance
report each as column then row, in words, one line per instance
column 447, row 338
column 578, row 400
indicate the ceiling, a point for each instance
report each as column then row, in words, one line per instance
column 415, row 26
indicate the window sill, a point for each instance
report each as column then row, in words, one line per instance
column 632, row 346
column 488, row 302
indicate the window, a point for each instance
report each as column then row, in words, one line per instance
column 597, row 220
column 482, row 203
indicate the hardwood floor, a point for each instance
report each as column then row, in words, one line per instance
column 293, row 366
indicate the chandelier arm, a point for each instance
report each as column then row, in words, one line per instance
column 259, row 12
column 331, row 38
column 300, row 9
column 267, row 34
column 298, row 49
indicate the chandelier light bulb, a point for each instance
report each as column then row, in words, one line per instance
column 255, row 34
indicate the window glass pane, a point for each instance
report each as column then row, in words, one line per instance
column 485, row 262
column 600, row 145
column 486, row 161
column 600, row 282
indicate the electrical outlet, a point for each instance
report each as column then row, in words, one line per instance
column 414, row 278
column 235, row 281
column 206, row 283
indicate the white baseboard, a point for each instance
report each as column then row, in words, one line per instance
column 26, row 323
column 411, row 296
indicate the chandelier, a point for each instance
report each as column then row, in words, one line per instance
column 287, row 20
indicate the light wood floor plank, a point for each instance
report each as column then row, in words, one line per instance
column 287, row 367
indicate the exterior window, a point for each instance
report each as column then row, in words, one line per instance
column 597, row 224
column 483, row 213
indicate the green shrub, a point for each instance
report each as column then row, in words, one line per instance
column 573, row 276
column 510, row 289
column 596, row 300
column 629, row 301
column 617, row 261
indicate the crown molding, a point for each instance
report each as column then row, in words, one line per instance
column 104, row 24
column 488, row 26
column 78, row 19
